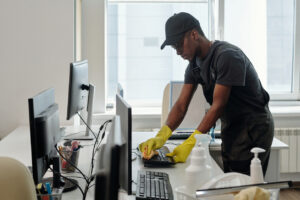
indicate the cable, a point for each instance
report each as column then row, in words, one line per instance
column 84, row 176
column 75, row 177
column 94, row 151
column 103, row 134
column 65, row 177
column 86, row 124
column 91, row 177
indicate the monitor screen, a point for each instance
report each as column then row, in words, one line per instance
column 78, row 88
column 123, row 109
column 108, row 164
column 44, row 132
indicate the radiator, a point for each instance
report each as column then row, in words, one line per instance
column 290, row 158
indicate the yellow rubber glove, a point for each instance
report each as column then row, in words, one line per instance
column 158, row 141
column 182, row 151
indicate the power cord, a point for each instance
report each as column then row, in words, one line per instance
column 86, row 124
column 91, row 177
column 69, row 162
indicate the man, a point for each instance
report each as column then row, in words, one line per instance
column 230, row 85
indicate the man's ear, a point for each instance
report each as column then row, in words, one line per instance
column 195, row 35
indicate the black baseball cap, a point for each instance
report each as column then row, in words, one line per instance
column 177, row 25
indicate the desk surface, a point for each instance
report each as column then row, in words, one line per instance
column 17, row 145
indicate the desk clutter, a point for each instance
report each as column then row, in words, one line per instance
column 45, row 192
column 111, row 171
column 69, row 152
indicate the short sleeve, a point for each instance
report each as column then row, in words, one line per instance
column 188, row 76
column 231, row 68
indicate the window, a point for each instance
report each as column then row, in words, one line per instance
column 128, row 47
column 264, row 30
column 135, row 32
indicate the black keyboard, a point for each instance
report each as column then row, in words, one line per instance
column 185, row 135
column 180, row 135
column 153, row 185
column 160, row 160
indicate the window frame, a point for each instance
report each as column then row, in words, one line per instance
column 216, row 24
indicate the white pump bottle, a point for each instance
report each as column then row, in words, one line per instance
column 256, row 172
column 199, row 171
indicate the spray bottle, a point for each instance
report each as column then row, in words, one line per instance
column 256, row 172
column 205, row 140
column 199, row 171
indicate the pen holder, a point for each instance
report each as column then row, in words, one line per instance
column 72, row 157
column 56, row 195
column 49, row 196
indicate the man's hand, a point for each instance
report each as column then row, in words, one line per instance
column 181, row 152
column 149, row 156
column 150, row 145
column 155, row 143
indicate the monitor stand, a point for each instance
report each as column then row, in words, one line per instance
column 69, row 185
column 87, row 135
column 57, row 181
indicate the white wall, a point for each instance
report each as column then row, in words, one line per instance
column 36, row 48
column 93, row 47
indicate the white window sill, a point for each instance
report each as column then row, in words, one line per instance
column 285, row 108
column 278, row 109
column 137, row 113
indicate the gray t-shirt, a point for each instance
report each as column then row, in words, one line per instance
column 226, row 64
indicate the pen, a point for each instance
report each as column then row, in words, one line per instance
column 48, row 187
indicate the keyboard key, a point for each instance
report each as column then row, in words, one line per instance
column 157, row 189
column 148, row 188
column 142, row 190
column 166, row 189
column 162, row 191
column 152, row 189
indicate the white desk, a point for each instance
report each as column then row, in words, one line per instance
column 17, row 145
column 273, row 170
column 176, row 174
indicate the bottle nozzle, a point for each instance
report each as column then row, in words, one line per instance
column 256, row 151
column 198, row 138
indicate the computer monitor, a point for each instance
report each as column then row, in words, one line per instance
column 108, row 164
column 45, row 133
column 80, row 96
column 123, row 109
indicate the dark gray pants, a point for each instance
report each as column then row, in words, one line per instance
column 241, row 135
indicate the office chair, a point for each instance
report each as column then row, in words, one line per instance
column 16, row 182
column 165, row 104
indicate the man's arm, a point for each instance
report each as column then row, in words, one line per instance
column 179, row 109
column 220, row 98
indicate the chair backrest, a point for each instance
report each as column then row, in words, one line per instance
column 165, row 104
column 196, row 110
column 16, row 182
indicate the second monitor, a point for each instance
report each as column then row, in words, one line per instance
column 123, row 109
column 80, row 96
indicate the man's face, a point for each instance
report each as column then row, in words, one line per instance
column 186, row 47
